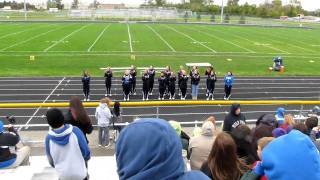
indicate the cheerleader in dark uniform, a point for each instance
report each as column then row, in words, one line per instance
column 184, row 85
column 179, row 79
column 211, row 80
column 172, row 85
column 86, row 85
column 126, row 85
column 152, row 73
column 108, row 80
column 167, row 74
column 133, row 74
column 208, row 73
column 145, row 86
column 162, row 85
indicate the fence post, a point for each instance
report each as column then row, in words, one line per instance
column 157, row 111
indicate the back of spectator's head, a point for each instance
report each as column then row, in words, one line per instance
column 149, row 149
column 1, row 126
column 212, row 119
column 176, row 126
column 316, row 110
column 269, row 120
column 311, row 122
column 116, row 108
column 77, row 107
column 263, row 142
column 55, row 118
column 288, row 119
column 301, row 127
column 278, row 132
column 208, row 128
column 105, row 101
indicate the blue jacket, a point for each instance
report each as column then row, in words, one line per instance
column 280, row 115
column 292, row 156
column 151, row 149
column 228, row 80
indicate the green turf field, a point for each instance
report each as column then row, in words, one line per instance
column 66, row 48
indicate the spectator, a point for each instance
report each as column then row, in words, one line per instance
column 77, row 116
column 183, row 136
column 313, row 130
column 223, row 162
column 200, row 147
column 198, row 130
column 242, row 137
column 311, row 123
column 262, row 143
column 292, row 156
column 228, row 82
column 264, row 128
column 234, row 118
column 9, row 140
column 280, row 115
column 302, row 128
column 195, row 79
column 66, row 147
column 288, row 123
column 277, row 132
column 103, row 116
column 158, row 155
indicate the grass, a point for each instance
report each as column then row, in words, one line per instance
column 63, row 49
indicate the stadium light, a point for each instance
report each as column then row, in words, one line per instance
column 221, row 11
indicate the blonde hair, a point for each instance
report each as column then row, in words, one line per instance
column 105, row 100
column 288, row 119
column 264, row 141
column 212, row 119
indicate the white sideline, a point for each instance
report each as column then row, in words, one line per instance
column 169, row 27
column 155, row 32
column 65, row 37
column 98, row 38
column 129, row 36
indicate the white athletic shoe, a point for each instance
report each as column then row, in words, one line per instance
column 159, row 98
column 128, row 99
column 150, row 93
column 110, row 95
column 88, row 99
column 212, row 99
column 142, row 99
column 134, row 93
column 147, row 99
column 173, row 97
column 162, row 99
column 124, row 99
column 84, row 99
column 106, row 95
column 208, row 98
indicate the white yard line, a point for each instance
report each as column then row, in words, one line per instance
column 129, row 36
column 37, row 110
column 155, row 32
column 19, row 32
column 34, row 37
column 65, row 37
column 98, row 38
column 191, row 38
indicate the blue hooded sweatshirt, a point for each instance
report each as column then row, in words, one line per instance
column 151, row 149
column 290, row 157
column 228, row 80
column 280, row 115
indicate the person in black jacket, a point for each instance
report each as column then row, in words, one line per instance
column 152, row 73
column 145, row 85
column 86, row 85
column 108, row 80
column 208, row 73
column 234, row 118
column 162, row 85
column 133, row 74
column 167, row 74
column 126, row 84
column 179, row 79
column 184, row 85
column 211, row 83
column 195, row 79
column 172, row 85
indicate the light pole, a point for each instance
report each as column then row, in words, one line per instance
column 25, row 9
column 221, row 11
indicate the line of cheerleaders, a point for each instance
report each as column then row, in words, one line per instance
column 166, row 81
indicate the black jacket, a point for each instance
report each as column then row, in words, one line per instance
column 133, row 73
column 172, row 81
column 108, row 76
column 145, row 80
column 8, row 139
column 184, row 82
column 195, row 78
column 86, row 81
column 212, row 79
column 151, row 73
column 162, row 82
column 232, row 120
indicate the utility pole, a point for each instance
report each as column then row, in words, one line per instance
column 25, row 10
column 222, row 11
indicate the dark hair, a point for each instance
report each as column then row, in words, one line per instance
column 223, row 160
column 81, row 113
column 311, row 122
column 55, row 118
column 301, row 127
column 116, row 109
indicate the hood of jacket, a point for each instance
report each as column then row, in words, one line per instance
column 208, row 128
column 61, row 135
column 280, row 112
column 269, row 120
column 233, row 109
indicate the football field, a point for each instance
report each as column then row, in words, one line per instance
column 68, row 48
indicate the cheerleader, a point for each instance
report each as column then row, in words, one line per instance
column 126, row 85
column 194, row 68
column 108, row 80
column 86, row 85
column 152, row 73
column 208, row 73
column 228, row 82
column 167, row 74
column 145, row 86
column 211, row 82
column 162, row 85
column 172, row 85
column 184, row 85
column 179, row 79
column 133, row 74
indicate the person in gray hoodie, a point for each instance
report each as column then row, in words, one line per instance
column 103, row 116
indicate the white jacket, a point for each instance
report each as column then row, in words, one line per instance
column 103, row 115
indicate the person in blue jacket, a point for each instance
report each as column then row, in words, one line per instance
column 280, row 115
column 151, row 149
column 228, row 82
column 86, row 85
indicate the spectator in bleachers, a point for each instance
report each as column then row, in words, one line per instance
column 280, row 115
column 262, row 143
column 108, row 80
column 242, row 137
column 162, row 85
column 234, row 118
column 211, row 83
column 264, row 128
column 183, row 136
column 133, row 74
column 158, row 155
column 66, row 147
column 223, row 162
column 145, row 85
column 228, row 82
column 313, row 130
column 208, row 73
column 292, row 156
column 152, row 74
column 127, row 85
column 10, row 156
column 103, row 116
column 302, row 128
column 200, row 146
column 86, row 85
column 184, row 85
column 277, row 132
column 180, row 75
column 288, row 123
column 172, row 86
column 78, row 116
column 195, row 80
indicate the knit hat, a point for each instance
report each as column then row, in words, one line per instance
column 207, row 128
column 278, row 132
column 176, row 126
column 1, row 126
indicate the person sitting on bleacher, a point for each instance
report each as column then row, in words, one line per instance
column 8, row 142
column 151, row 149
column 66, row 147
